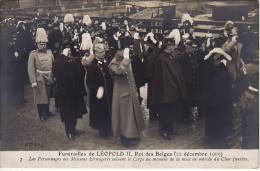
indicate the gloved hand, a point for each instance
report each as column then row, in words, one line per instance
column 126, row 53
column 34, row 85
column 100, row 93
column 244, row 70
column 206, row 57
column 223, row 61
column 16, row 54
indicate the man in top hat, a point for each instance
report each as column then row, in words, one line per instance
column 40, row 73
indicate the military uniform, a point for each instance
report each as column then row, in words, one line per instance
column 40, row 72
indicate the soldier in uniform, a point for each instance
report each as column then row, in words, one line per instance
column 40, row 73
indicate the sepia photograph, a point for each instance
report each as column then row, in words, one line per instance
column 129, row 75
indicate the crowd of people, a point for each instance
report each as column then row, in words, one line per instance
column 98, row 67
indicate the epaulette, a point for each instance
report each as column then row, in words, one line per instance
column 33, row 51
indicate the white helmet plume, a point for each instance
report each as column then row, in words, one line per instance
column 86, row 20
column 86, row 43
column 186, row 17
column 68, row 18
column 41, row 36
column 176, row 35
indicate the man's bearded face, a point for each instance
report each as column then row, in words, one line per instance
column 41, row 46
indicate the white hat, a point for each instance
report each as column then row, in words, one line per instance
column 68, row 18
column 86, row 20
column 41, row 36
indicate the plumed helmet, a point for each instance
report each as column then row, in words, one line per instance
column 175, row 34
column 68, row 18
column 86, row 43
column 186, row 17
column 41, row 36
column 86, row 20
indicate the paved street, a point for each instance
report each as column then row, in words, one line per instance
column 22, row 130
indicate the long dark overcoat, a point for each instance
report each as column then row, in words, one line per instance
column 168, row 83
column 100, row 109
column 218, row 102
column 150, row 58
column 69, row 88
